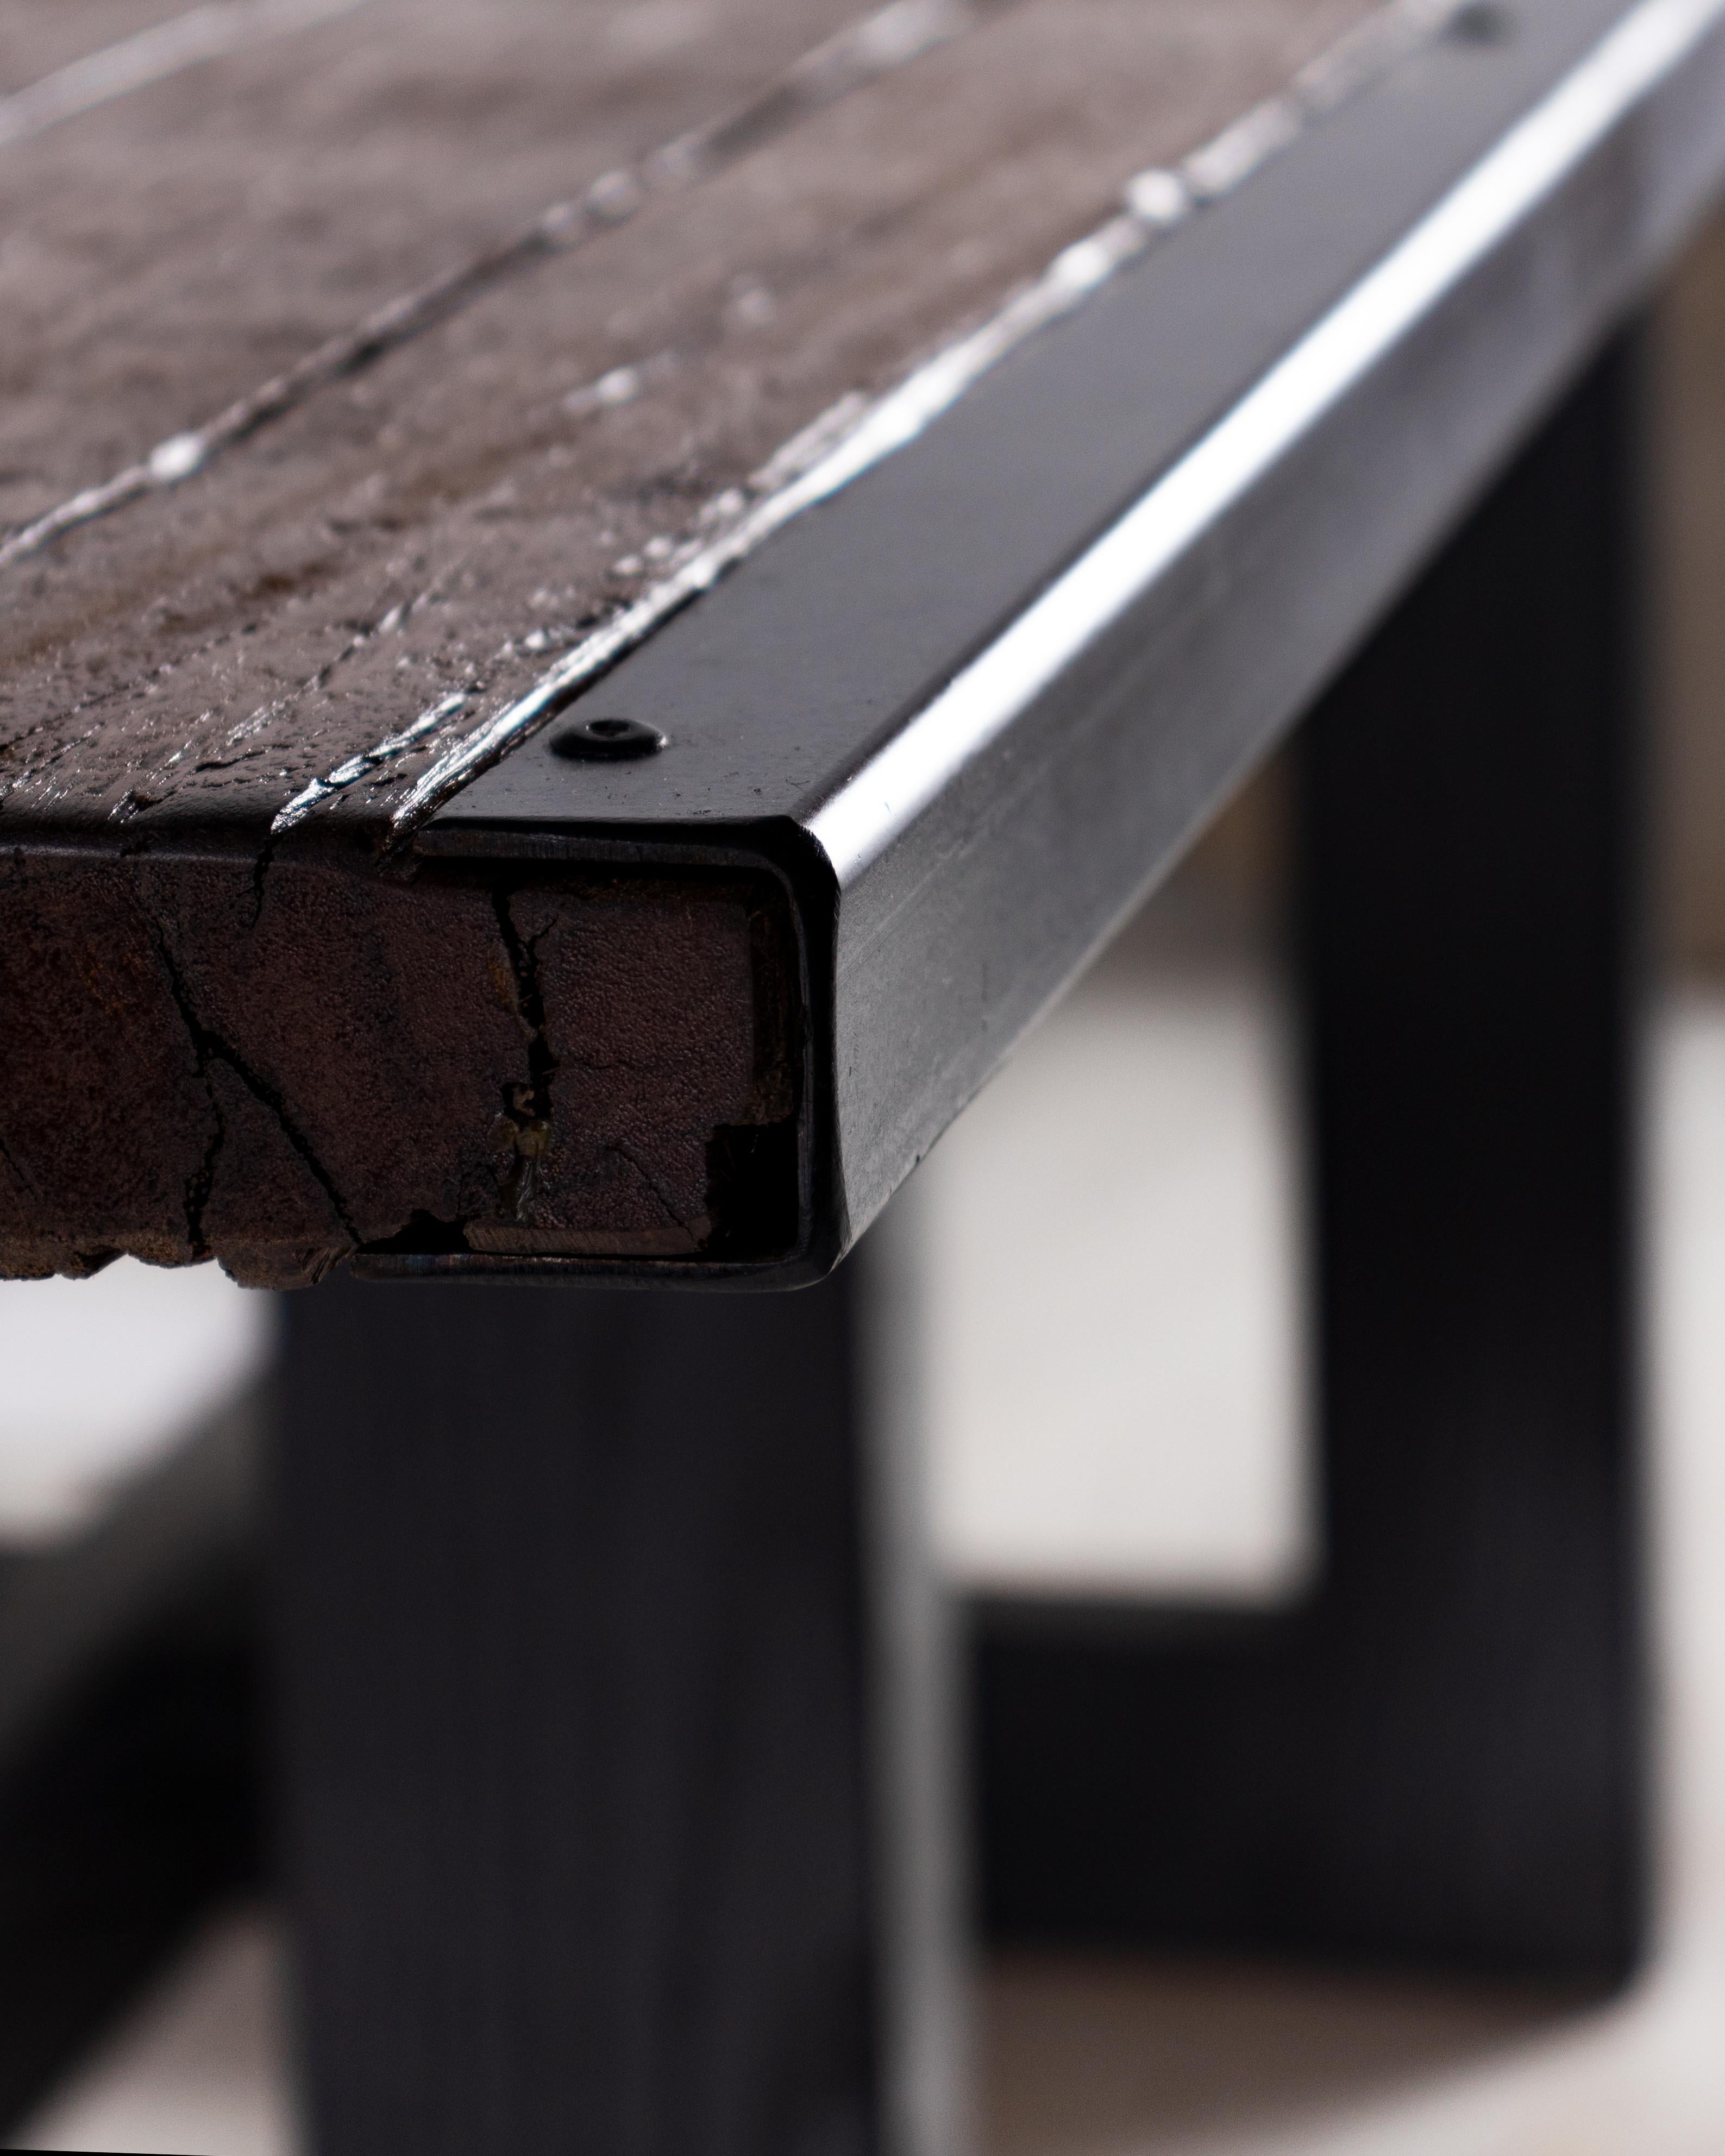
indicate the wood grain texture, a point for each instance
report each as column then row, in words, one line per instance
column 336, row 1062
column 437, row 524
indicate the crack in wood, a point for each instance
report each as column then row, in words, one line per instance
column 525, row 1122
column 208, row 1047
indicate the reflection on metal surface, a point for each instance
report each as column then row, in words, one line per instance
column 887, row 795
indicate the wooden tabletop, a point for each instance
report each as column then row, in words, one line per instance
column 378, row 374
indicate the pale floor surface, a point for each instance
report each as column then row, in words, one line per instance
column 104, row 1376
column 1118, row 2059
column 1113, row 1233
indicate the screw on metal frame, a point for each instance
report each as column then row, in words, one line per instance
column 1482, row 22
column 610, row 739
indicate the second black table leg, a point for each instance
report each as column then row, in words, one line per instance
column 1442, row 1758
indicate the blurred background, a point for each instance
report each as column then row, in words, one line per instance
column 1118, row 1409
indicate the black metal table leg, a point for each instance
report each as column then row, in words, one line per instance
column 1442, row 1758
column 607, row 1825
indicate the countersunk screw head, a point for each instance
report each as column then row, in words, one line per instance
column 1482, row 22
column 595, row 741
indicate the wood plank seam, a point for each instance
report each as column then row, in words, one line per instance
column 889, row 39
column 152, row 55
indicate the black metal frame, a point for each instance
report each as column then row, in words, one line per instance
column 1442, row 1758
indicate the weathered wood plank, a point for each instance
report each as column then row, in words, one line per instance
column 287, row 1073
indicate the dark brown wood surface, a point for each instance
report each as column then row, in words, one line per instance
column 273, row 1051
